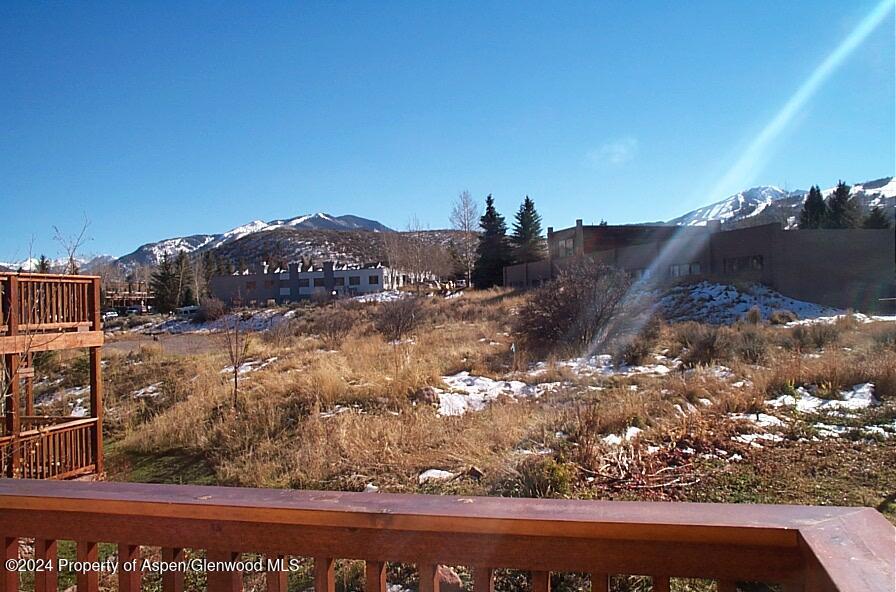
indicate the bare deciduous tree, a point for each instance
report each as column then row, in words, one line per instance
column 71, row 244
column 237, row 340
column 465, row 218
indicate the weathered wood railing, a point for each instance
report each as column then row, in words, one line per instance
column 802, row 548
column 43, row 312
column 58, row 451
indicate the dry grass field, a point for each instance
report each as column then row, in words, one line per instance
column 752, row 413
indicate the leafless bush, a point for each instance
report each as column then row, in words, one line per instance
column 211, row 309
column 781, row 317
column 703, row 344
column 815, row 336
column 333, row 324
column 635, row 348
column 751, row 344
column 398, row 318
column 580, row 308
column 753, row 316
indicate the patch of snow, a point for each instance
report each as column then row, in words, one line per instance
column 615, row 440
column 860, row 396
column 148, row 391
column 435, row 476
column 384, row 296
column 472, row 393
column 761, row 419
column 723, row 304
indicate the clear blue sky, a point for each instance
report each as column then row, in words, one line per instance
column 165, row 119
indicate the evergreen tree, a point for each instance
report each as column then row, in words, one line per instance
column 493, row 252
column 183, row 271
column 163, row 284
column 876, row 218
column 843, row 211
column 528, row 244
column 43, row 264
column 814, row 210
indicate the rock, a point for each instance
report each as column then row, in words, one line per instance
column 371, row 488
column 427, row 395
column 475, row 472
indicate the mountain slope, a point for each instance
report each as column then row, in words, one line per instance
column 766, row 204
column 152, row 253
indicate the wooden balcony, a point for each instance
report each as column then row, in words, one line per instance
column 43, row 312
column 797, row 547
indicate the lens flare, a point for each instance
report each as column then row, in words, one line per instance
column 682, row 248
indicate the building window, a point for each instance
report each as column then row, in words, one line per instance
column 285, row 292
column 340, row 281
column 566, row 247
column 684, row 269
column 269, row 283
column 318, row 282
column 304, row 282
column 250, row 285
column 354, row 280
column 374, row 279
column 739, row 264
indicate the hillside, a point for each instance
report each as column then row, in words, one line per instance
column 766, row 204
column 151, row 253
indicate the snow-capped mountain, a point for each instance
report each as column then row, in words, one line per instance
column 152, row 253
column 765, row 204
column 85, row 264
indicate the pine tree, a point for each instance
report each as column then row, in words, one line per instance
column 163, row 285
column 493, row 252
column 843, row 211
column 814, row 210
column 528, row 244
column 876, row 218
column 43, row 264
column 183, row 271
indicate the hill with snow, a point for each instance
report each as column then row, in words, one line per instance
column 766, row 204
column 152, row 253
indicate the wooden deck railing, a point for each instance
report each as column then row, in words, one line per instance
column 811, row 549
column 43, row 312
column 53, row 451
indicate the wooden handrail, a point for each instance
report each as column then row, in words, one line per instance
column 815, row 548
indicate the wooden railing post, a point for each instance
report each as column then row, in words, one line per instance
column 277, row 580
column 173, row 579
column 541, row 581
column 87, row 581
column 483, row 579
column 96, row 379
column 429, row 577
column 9, row 578
column 46, row 580
column 129, row 580
column 660, row 583
column 375, row 576
column 11, row 361
column 324, row 574
column 221, row 580
column 600, row 582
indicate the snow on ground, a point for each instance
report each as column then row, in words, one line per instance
column 250, row 366
column 850, row 402
column 861, row 396
column 602, row 365
column 153, row 390
column 435, row 476
column 251, row 320
column 723, row 304
column 630, row 434
column 384, row 296
column 858, row 317
column 472, row 393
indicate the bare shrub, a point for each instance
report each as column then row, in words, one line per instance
column 782, row 317
column 817, row 335
column 635, row 349
column 751, row 344
column 333, row 324
column 211, row 309
column 396, row 319
column 884, row 336
column 582, row 307
column 753, row 316
column 703, row 344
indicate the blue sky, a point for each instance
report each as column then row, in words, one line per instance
column 160, row 120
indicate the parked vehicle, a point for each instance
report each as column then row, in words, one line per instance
column 109, row 314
